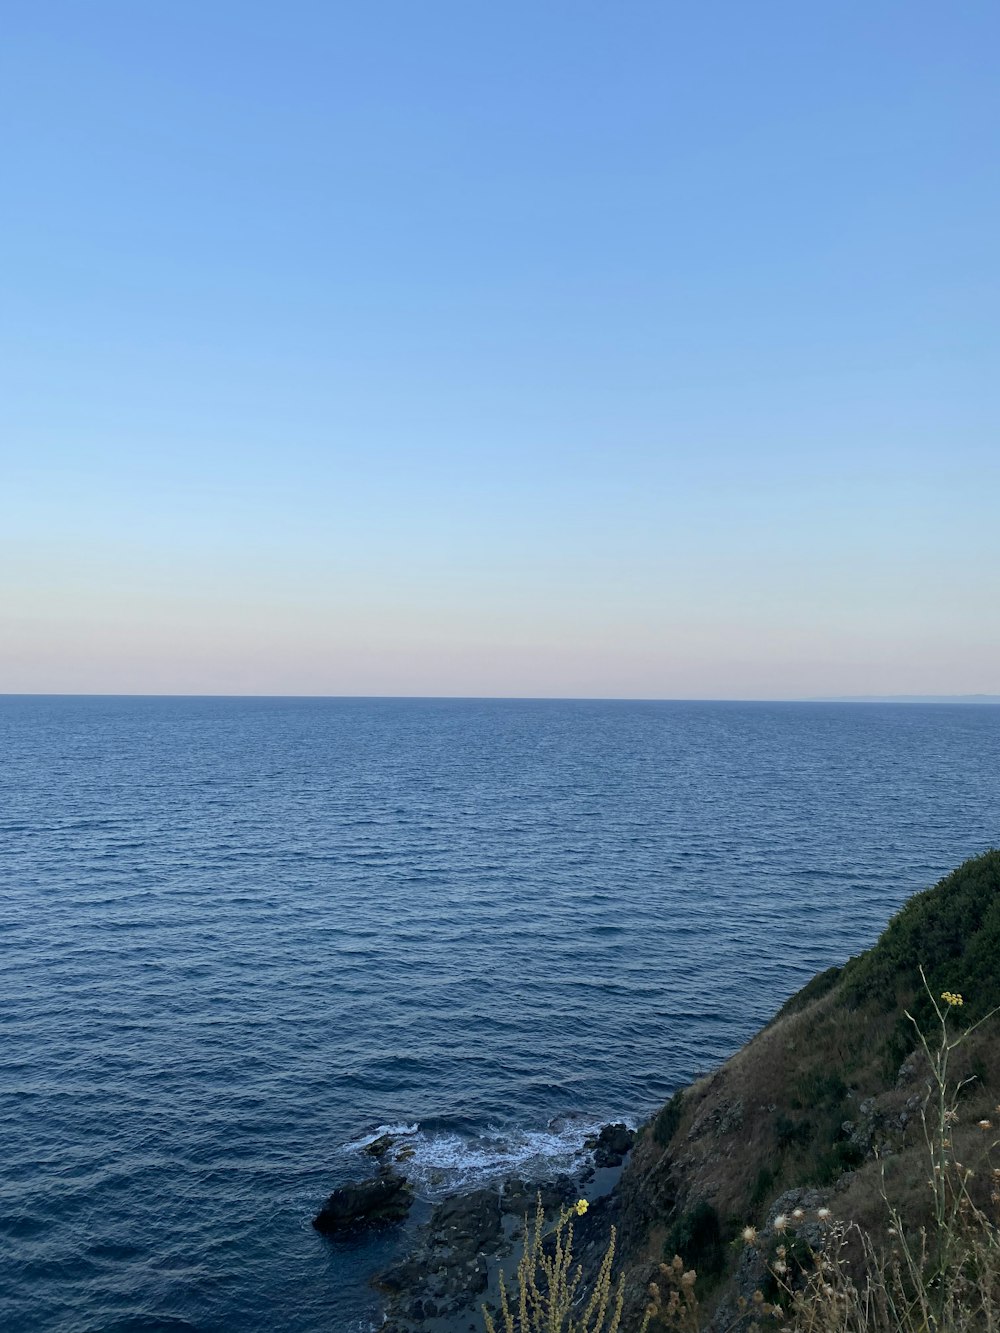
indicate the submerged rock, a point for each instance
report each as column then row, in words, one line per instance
column 383, row 1199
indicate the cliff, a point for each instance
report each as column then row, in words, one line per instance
column 826, row 1101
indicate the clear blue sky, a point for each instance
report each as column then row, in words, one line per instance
column 638, row 349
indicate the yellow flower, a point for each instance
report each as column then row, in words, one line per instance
column 749, row 1235
column 952, row 998
column 581, row 1207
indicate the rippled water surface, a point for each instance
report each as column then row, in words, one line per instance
column 240, row 935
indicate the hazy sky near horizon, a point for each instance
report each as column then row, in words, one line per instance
column 639, row 349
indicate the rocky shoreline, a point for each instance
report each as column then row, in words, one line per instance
column 805, row 1123
column 463, row 1243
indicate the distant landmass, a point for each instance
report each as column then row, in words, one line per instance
column 912, row 699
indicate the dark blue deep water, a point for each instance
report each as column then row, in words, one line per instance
column 238, row 936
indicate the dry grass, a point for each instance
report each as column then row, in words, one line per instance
column 941, row 1276
column 929, row 1282
column 841, row 1042
column 549, row 1297
column 776, row 1110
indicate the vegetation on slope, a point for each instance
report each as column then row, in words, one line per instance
column 828, row 1097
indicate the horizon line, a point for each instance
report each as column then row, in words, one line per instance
column 972, row 698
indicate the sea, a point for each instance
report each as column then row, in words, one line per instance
column 241, row 937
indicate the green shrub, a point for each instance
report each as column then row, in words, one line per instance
column 697, row 1237
column 667, row 1119
column 954, row 924
column 838, row 1158
column 762, row 1187
column 819, row 1088
column 793, row 1133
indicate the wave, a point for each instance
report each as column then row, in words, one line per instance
column 439, row 1162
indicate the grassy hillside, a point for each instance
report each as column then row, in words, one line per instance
column 829, row 1094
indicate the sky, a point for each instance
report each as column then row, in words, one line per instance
column 525, row 349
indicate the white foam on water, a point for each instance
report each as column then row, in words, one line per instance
column 396, row 1131
column 401, row 1131
column 439, row 1163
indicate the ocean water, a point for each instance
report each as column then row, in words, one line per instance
column 239, row 936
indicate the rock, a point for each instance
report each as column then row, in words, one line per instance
column 380, row 1146
column 721, row 1118
column 451, row 1269
column 468, row 1222
column 447, row 1271
column 520, row 1197
column 383, row 1199
column 613, row 1142
column 406, row 1276
column 731, row 1117
column 752, row 1270
column 809, row 1228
